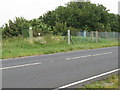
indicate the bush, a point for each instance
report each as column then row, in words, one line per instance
column 14, row 28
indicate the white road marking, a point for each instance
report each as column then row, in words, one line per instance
column 67, row 58
column 107, row 53
column 20, row 66
column 81, row 57
column 91, row 78
column 102, row 54
column 31, row 64
column 75, row 58
column 88, row 56
column 97, row 54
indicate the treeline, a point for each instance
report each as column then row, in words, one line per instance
column 73, row 16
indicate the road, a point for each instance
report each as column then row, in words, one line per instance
column 57, row 70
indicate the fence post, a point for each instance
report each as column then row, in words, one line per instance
column 68, row 36
column 92, row 36
column 30, row 32
column 97, row 36
column 84, row 33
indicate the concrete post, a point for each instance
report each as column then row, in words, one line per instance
column 84, row 33
column 30, row 32
column 97, row 36
column 92, row 36
column 68, row 36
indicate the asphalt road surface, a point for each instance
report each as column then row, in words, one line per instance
column 57, row 70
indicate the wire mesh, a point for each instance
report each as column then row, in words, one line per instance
column 86, row 36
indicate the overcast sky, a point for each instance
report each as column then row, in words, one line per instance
column 34, row 8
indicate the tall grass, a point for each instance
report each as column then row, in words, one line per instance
column 18, row 46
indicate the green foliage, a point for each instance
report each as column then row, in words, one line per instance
column 60, row 28
column 83, row 15
column 19, row 25
column 40, row 27
column 14, row 28
column 74, row 16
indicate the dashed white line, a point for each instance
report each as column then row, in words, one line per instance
column 67, row 58
column 88, row 56
column 88, row 79
column 97, row 54
column 76, row 58
column 31, row 64
column 107, row 53
column 18, row 66
column 81, row 57
column 101, row 54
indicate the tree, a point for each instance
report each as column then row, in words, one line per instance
column 14, row 28
column 74, row 15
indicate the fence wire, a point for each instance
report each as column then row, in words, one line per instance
column 93, row 36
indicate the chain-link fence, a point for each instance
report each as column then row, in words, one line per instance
column 93, row 36
column 75, row 36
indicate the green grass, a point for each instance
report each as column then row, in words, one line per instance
column 110, row 82
column 19, row 47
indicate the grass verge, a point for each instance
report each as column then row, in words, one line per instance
column 110, row 82
column 19, row 47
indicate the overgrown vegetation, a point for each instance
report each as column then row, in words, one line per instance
column 73, row 16
column 18, row 47
column 53, row 26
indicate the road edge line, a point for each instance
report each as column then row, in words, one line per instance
column 87, row 79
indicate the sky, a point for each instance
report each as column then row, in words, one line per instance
column 9, row 9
